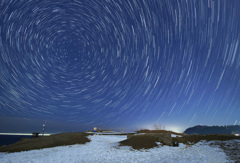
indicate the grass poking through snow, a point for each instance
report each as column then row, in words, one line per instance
column 26, row 144
column 140, row 142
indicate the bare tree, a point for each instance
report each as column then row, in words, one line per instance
column 156, row 126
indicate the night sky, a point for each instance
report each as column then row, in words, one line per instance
column 119, row 64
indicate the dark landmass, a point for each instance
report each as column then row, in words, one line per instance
column 26, row 144
column 205, row 130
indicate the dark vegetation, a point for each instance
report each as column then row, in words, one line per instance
column 205, row 130
column 159, row 131
column 149, row 141
column 193, row 139
column 140, row 142
column 26, row 144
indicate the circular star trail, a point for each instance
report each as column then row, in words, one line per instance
column 121, row 62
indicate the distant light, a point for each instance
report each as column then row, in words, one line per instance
column 175, row 129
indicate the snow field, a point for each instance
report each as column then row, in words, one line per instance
column 105, row 149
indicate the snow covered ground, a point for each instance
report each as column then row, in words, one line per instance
column 104, row 149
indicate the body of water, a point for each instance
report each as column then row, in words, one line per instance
column 10, row 139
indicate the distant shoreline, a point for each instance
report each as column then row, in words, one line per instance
column 27, row 134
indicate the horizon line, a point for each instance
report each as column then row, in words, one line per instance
column 27, row 134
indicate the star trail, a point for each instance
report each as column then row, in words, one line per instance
column 121, row 63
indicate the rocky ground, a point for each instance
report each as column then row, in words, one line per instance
column 231, row 148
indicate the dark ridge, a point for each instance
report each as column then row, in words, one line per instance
column 205, row 130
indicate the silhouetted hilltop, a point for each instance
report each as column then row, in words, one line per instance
column 205, row 130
